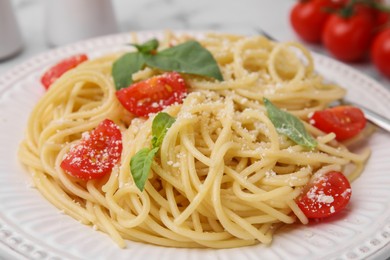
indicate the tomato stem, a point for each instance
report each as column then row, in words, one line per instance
column 348, row 10
column 380, row 7
column 329, row 10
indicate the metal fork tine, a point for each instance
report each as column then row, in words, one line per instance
column 373, row 117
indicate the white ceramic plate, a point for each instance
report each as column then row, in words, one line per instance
column 30, row 227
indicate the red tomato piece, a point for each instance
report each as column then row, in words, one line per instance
column 380, row 52
column 344, row 121
column 364, row 9
column 348, row 39
column 96, row 154
column 326, row 196
column 381, row 20
column 308, row 18
column 154, row 94
column 60, row 68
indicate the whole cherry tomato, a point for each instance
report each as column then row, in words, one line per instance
column 366, row 7
column 344, row 121
column 326, row 195
column 348, row 39
column 380, row 52
column 381, row 20
column 308, row 18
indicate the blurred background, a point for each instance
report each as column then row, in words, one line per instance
column 30, row 27
column 45, row 24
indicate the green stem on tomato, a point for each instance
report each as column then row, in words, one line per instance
column 348, row 10
column 381, row 7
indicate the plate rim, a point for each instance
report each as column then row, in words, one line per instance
column 13, row 74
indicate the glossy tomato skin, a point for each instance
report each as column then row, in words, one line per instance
column 381, row 20
column 308, row 18
column 345, row 121
column 348, row 39
column 53, row 73
column 326, row 196
column 154, row 94
column 380, row 52
column 96, row 154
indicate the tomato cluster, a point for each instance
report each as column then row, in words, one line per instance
column 349, row 29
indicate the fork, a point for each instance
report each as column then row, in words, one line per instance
column 371, row 116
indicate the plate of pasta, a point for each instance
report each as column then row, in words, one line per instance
column 191, row 145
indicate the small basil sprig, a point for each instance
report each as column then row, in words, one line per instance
column 124, row 67
column 189, row 57
column 147, row 47
column 141, row 162
column 140, row 165
column 161, row 123
column 289, row 125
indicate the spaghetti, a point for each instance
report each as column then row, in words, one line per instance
column 223, row 177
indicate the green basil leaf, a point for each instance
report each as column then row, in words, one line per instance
column 147, row 47
column 189, row 57
column 141, row 162
column 160, row 125
column 124, row 68
column 289, row 125
column 140, row 165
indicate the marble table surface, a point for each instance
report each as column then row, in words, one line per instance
column 244, row 16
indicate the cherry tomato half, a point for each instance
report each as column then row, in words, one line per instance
column 96, row 154
column 308, row 18
column 380, row 52
column 326, row 196
column 154, row 94
column 60, row 68
column 344, row 121
column 348, row 39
